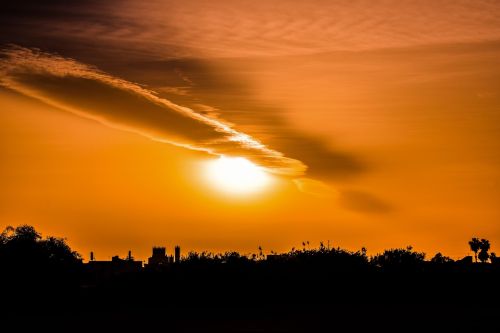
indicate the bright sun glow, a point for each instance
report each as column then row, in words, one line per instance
column 237, row 175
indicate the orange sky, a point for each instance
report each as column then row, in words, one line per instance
column 379, row 123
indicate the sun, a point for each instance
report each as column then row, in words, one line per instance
column 237, row 175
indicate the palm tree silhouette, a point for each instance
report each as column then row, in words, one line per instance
column 485, row 247
column 475, row 245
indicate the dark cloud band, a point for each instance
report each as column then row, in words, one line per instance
column 90, row 93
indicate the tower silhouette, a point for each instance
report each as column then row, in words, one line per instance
column 177, row 253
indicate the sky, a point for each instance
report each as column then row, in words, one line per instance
column 375, row 123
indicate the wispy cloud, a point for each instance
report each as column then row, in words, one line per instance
column 225, row 28
column 84, row 90
column 363, row 202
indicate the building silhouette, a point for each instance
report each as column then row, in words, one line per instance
column 117, row 266
column 159, row 257
column 177, row 253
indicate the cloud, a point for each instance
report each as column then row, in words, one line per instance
column 353, row 200
column 84, row 90
column 363, row 202
column 221, row 86
column 180, row 91
column 315, row 188
column 226, row 28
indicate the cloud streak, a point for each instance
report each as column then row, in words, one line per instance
column 85, row 91
column 228, row 28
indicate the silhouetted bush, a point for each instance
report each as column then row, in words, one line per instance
column 439, row 258
column 399, row 260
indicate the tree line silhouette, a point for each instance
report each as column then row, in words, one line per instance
column 23, row 249
column 49, row 268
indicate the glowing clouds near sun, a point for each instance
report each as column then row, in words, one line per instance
column 89, row 93
column 236, row 175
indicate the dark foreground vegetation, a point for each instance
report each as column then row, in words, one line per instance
column 305, row 290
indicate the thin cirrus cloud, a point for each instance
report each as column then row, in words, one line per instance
column 90, row 93
column 284, row 27
column 254, row 28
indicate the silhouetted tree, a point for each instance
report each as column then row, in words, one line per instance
column 30, row 264
column 483, row 256
column 6, row 234
column 485, row 247
column 56, row 249
column 439, row 258
column 24, row 247
column 475, row 245
column 493, row 257
column 25, row 233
